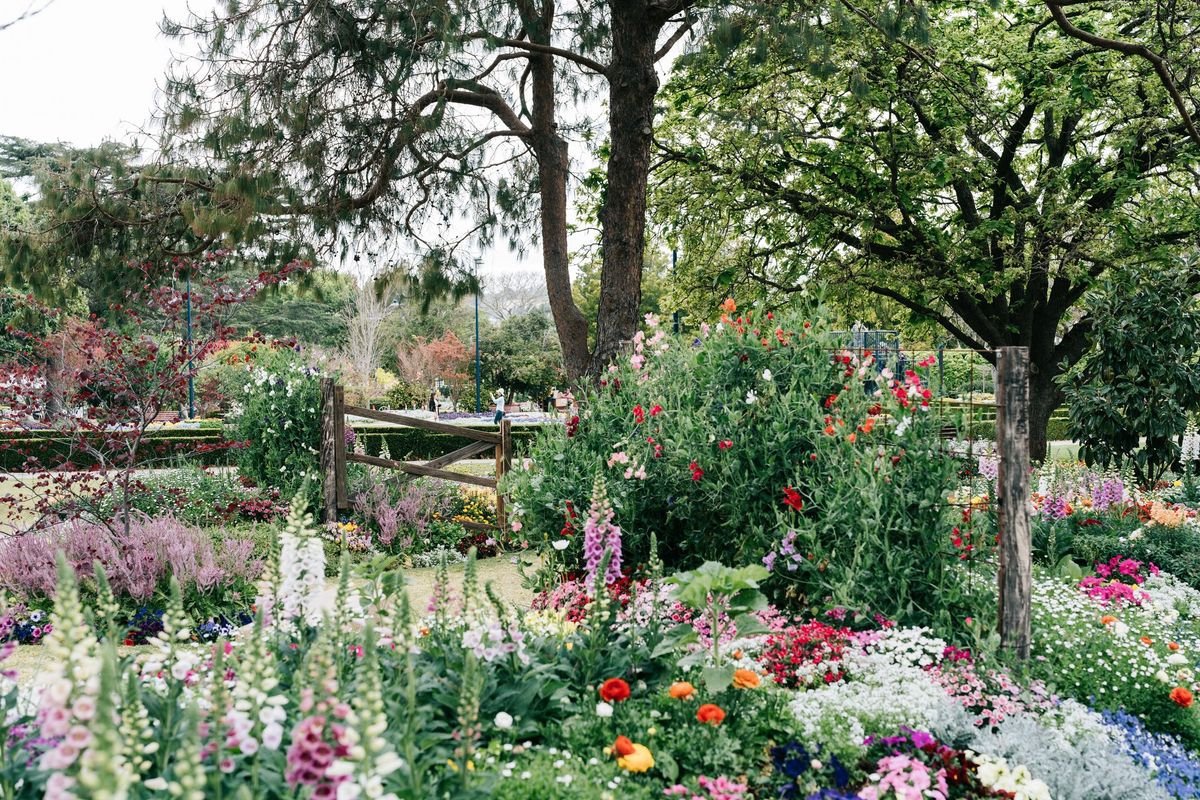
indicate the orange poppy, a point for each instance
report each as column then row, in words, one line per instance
column 614, row 690
column 710, row 714
column 1172, row 646
column 1107, row 619
column 682, row 690
column 746, row 679
column 1181, row 697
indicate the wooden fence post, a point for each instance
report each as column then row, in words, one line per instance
column 1012, row 489
column 339, row 447
column 503, row 463
column 329, row 489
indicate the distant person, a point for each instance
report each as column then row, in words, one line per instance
column 498, row 401
column 433, row 402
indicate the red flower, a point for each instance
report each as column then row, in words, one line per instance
column 697, row 473
column 655, row 411
column 792, row 499
column 623, row 746
column 572, row 426
column 710, row 714
column 725, row 444
column 639, row 416
column 614, row 690
column 1181, row 697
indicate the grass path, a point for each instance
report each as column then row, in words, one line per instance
column 32, row 664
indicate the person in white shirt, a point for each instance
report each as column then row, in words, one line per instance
column 498, row 401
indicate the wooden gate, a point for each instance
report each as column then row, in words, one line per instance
column 334, row 456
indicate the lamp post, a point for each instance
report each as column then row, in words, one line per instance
column 188, row 314
column 674, row 314
column 478, row 382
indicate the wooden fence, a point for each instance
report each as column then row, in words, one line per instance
column 334, row 456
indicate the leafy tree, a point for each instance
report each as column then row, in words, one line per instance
column 1131, row 394
column 522, row 356
column 382, row 117
column 309, row 312
column 978, row 168
column 99, row 209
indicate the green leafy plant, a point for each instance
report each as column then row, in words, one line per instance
column 726, row 596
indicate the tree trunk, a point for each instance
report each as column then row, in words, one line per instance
column 633, row 85
column 1044, row 397
column 553, row 171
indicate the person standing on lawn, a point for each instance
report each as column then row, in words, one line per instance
column 498, row 400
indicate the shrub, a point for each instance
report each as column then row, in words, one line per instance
column 278, row 420
column 724, row 443
column 197, row 497
column 215, row 572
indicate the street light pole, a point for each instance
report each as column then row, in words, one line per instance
column 674, row 314
column 478, row 382
column 191, row 379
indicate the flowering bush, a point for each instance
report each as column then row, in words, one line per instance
column 757, row 438
column 277, row 419
column 215, row 573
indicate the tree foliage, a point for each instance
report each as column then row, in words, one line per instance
column 521, row 355
column 1132, row 394
column 976, row 167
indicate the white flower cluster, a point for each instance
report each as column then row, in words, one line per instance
column 886, row 686
column 301, row 569
column 994, row 772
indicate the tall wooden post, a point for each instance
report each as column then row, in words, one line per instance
column 339, row 446
column 1012, row 490
column 503, row 464
column 328, row 456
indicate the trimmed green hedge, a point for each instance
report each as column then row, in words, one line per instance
column 406, row 444
column 161, row 447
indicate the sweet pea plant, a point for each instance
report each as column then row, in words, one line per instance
column 758, row 441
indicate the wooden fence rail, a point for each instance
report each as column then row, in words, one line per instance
column 334, row 456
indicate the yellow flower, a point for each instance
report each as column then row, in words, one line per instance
column 640, row 760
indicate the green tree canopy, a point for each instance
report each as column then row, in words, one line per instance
column 982, row 170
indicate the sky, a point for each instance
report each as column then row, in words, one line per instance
column 83, row 71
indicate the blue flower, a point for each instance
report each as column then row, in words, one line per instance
column 1162, row 755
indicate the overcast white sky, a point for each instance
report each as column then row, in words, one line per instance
column 83, row 71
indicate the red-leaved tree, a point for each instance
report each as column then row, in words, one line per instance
column 91, row 390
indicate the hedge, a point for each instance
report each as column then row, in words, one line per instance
column 406, row 444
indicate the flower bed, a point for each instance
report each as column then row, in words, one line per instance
column 215, row 573
column 684, row 686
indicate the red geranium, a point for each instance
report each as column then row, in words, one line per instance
column 614, row 690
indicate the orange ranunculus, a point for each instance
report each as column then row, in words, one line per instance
column 1172, row 646
column 614, row 690
column 1107, row 619
column 729, row 306
column 746, row 679
column 710, row 714
column 682, row 690
column 1181, row 697
column 622, row 746
column 639, row 760
column 1146, row 640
